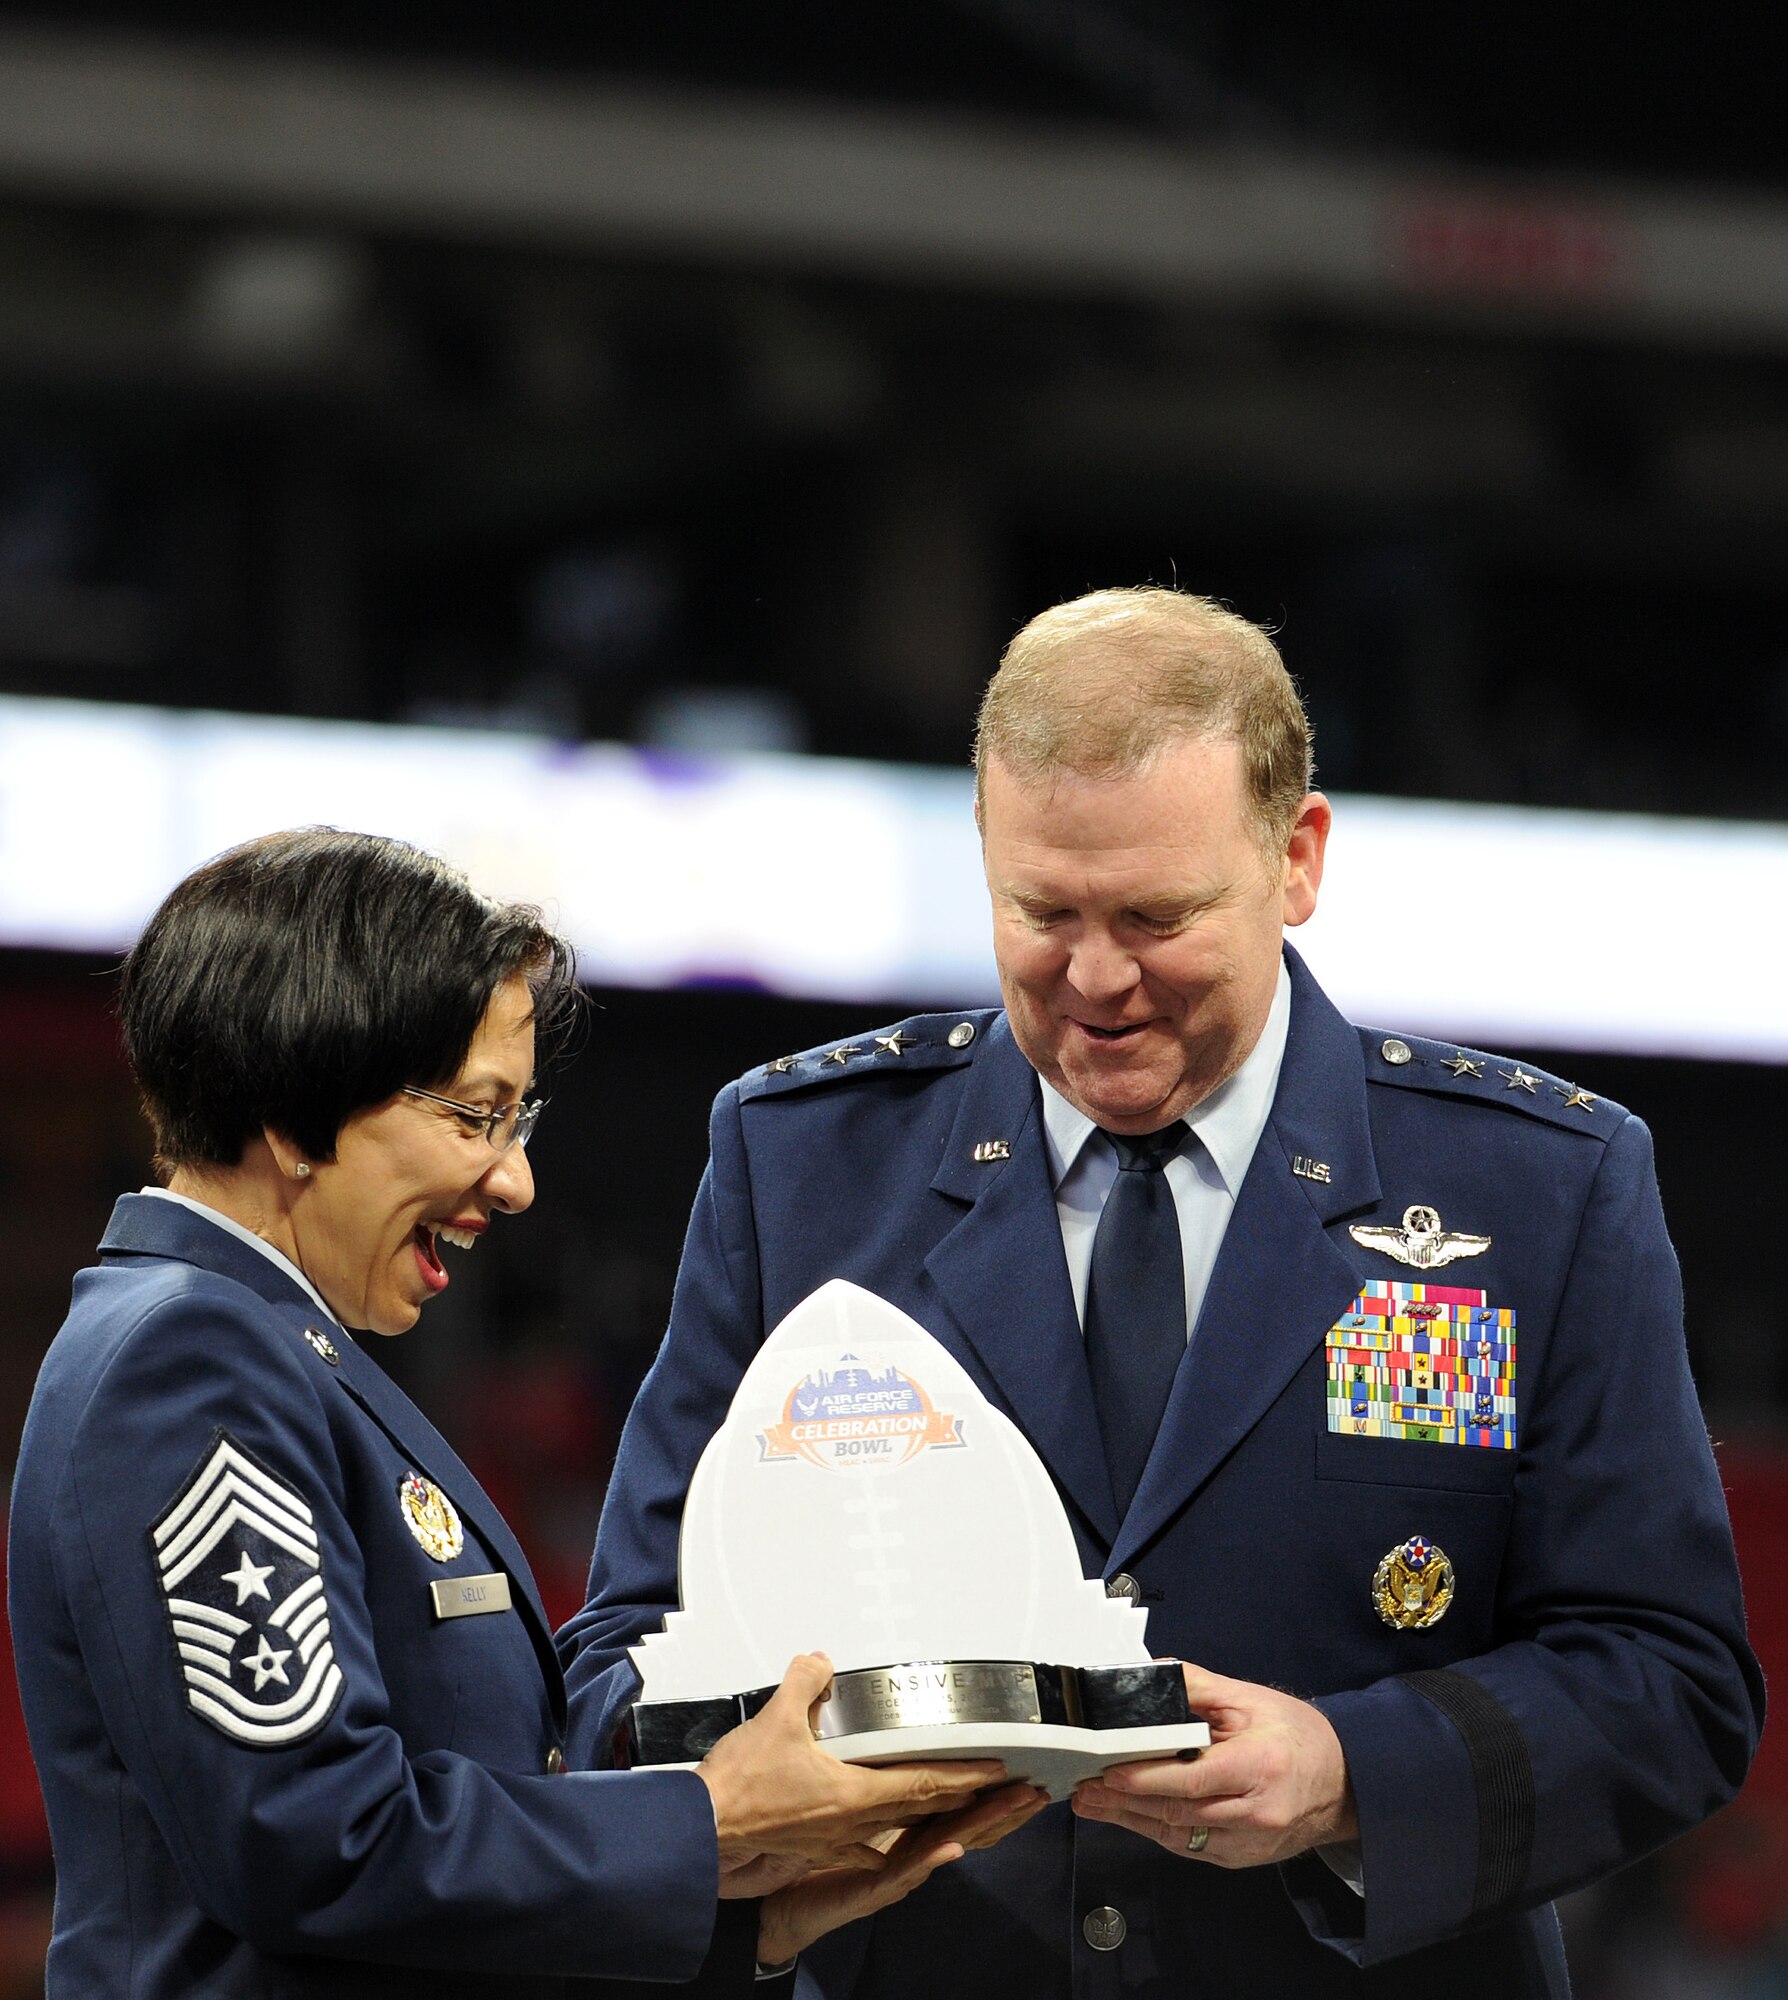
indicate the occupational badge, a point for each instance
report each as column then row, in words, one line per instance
column 430, row 1515
column 1421, row 1242
column 241, row 1574
column 1413, row 1586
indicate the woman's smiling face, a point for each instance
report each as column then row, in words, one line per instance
column 366, row 1228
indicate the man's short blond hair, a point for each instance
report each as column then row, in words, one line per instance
column 1099, row 685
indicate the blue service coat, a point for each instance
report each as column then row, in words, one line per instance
column 270, row 1768
column 1588, row 1694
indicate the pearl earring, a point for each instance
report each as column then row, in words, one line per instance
column 302, row 1170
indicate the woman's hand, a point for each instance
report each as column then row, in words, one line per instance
column 793, row 1917
column 778, row 1795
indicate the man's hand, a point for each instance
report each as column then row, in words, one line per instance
column 778, row 1795
column 795, row 1916
column 1273, row 1782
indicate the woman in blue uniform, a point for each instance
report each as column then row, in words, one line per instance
column 289, row 1685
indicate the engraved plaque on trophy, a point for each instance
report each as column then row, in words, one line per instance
column 863, row 1499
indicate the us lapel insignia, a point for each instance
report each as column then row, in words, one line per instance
column 430, row 1516
column 988, row 1150
column 1421, row 1242
column 320, row 1343
column 1413, row 1586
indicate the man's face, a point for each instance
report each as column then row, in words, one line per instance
column 1137, row 926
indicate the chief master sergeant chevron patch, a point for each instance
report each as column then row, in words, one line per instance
column 240, row 1570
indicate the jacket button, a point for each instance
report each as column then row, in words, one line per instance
column 1104, row 1928
column 555, row 1761
column 1124, row 1585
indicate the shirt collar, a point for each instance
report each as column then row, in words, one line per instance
column 260, row 1243
column 1229, row 1122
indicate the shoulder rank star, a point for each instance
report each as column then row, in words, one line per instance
column 1518, row 1079
column 897, row 1043
column 1421, row 1242
column 841, row 1055
column 1575, row 1097
column 781, row 1065
column 1463, row 1065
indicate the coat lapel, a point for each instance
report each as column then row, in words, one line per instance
column 430, row 1454
column 1004, row 1277
column 1280, row 1283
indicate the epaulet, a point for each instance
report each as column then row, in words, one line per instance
column 1444, row 1068
column 920, row 1042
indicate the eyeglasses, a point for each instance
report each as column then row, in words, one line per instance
column 508, row 1125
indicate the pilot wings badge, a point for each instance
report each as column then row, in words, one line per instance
column 1421, row 1242
column 241, row 1573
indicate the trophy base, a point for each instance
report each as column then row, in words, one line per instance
column 1053, row 1756
column 1051, row 1726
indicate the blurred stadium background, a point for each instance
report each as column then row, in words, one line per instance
column 728, row 383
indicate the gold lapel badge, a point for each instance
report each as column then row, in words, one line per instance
column 987, row 1150
column 430, row 1516
column 1413, row 1586
column 1421, row 1242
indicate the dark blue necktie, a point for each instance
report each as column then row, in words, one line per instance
column 1136, row 1304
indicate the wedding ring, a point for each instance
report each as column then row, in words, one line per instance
column 1196, row 1836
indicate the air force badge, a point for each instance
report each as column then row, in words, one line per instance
column 431, row 1517
column 1421, row 1241
column 241, row 1573
column 1413, row 1586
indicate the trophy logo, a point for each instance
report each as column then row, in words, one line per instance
column 857, row 1416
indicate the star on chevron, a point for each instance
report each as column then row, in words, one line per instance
column 1518, row 1079
column 250, row 1579
column 897, row 1043
column 1576, row 1098
column 782, row 1065
column 840, row 1055
column 268, row 1664
column 1462, row 1065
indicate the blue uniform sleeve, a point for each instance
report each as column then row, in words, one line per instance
column 1625, row 1704
column 716, row 1326
column 326, row 1820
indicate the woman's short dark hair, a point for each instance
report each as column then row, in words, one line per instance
column 305, row 975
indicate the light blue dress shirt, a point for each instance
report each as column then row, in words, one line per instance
column 1205, row 1175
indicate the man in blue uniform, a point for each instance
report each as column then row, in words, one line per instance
column 1356, row 1358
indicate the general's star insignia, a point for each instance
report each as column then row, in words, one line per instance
column 249, row 1579
column 1517, row 1079
column 1462, row 1065
column 897, row 1043
column 1575, row 1098
column 782, row 1065
column 234, row 1504
column 840, row 1055
column 1421, row 1242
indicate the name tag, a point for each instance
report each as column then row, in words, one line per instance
column 470, row 1596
